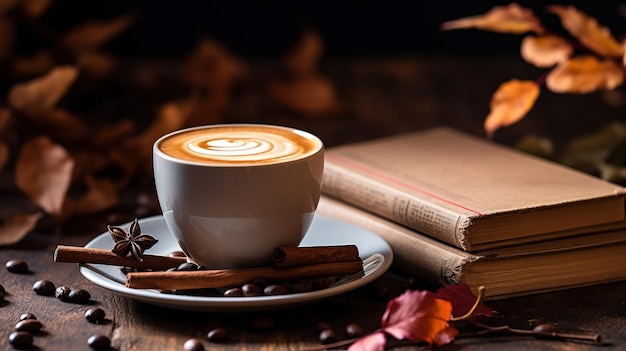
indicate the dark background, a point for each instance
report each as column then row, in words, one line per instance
column 349, row 28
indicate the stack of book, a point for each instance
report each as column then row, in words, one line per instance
column 457, row 208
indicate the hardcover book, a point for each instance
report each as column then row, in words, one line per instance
column 469, row 192
column 556, row 264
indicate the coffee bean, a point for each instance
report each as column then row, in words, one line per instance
column 62, row 292
column 3, row 290
column 275, row 289
column 354, row 330
column 1, row 297
column 321, row 326
column 99, row 342
column 327, row 336
column 187, row 266
column 17, row 266
column 232, row 292
column 21, row 339
column 193, row 345
column 251, row 290
column 177, row 253
column 546, row 328
column 25, row 316
column 78, row 296
column 44, row 287
column 28, row 325
column 94, row 315
column 217, row 335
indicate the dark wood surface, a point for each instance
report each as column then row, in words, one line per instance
column 384, row 97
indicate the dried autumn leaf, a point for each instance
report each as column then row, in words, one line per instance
column 5, row 119
column 585, row 74
column 587, row 30
column 511, row 18
column 304, row 57
column 35, row 8
column 462, row 300
column 44, row 171
column 43, row 93
column 96, row 64
column 7, row 5
column 312, row 95
column 93, row 35
column 545, row 50
column 101, row 194
column 510, row 103
column 63, row 124
column 415, row 315
column 35, row 65
column 211, row 66
column 7, row 37
column 4, row 154
column 17, row 226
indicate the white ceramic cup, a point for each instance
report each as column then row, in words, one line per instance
column 232, row 193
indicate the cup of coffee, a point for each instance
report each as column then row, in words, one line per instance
column 232, row 193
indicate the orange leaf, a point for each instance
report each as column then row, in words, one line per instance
column 17, row 226
column 101, row 194
column 43, row 93
column 546, row 50
column 212, row 66
column 92, row 35
column 35, row 8
column 36, row 64
column 585, row 74
column 587, row 30
column 44, row 172
column 4, row 154
column 97, row 64
column 512, row 18
column 312, row 95
column 510, row 103
column 304, row 57
column 7, row 37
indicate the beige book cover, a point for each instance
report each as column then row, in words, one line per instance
column 467, row 191
column 588, row 259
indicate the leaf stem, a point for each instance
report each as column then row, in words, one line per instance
column 470, row 313
column 506, row 330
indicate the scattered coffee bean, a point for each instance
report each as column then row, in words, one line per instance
column 1, row 297
column 99, row 342
column 16, row 266
column 78, row 296
column 187, row 266
column 62, row 292
column 25, row 316
column 263, row 323
column 546, row 328
column 44, row 287
column 217, row 335
column 95, row 315
column 251, row 290
column 21, row 339
column 28, row 325
column 275, row 289
column 193, row 345
column 354, row 330
column 232, row 292
column 177, row 253
column 3, row 290
column 327, row 336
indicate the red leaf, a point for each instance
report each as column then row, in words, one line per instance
column 372, row 342
column 462, row 300
column 417, row 315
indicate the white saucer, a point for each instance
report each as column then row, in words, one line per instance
column 375, row 252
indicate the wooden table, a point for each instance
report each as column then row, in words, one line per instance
column 384, row 97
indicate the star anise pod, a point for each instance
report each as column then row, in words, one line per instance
column 132, row 243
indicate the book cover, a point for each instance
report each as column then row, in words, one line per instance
column 581, row 260
column 467, row 191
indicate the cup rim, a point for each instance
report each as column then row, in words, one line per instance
column 157, row 152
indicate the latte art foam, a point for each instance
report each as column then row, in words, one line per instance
column 239, row 145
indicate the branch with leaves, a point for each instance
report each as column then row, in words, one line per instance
column 427, row 318
column 593, row 61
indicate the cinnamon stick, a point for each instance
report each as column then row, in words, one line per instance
column 286, row 256
column 222, row 278
column 77, row 254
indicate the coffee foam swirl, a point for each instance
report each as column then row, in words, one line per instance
column 243, row 148
column 239, row 145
